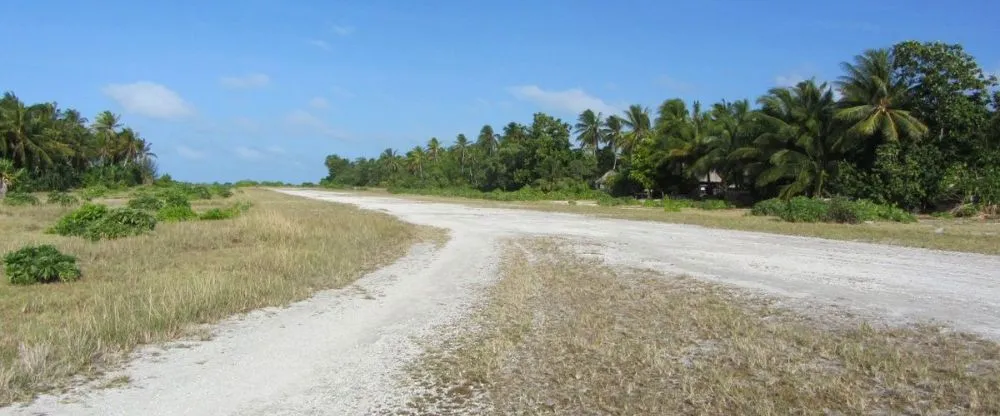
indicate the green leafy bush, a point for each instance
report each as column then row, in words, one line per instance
column 225, row 213
column 62, row 198
column 145, row 202
column 173, row 197
column 770, row 207
column 713, row 204
column 870, row 211
column 39, row 264
column 20, row 198
column 804, row 209
column 223, row 191
column 199, row 192
column 175, row 213
column 92, row 192
column 77, row 223
column 676, row 205
column 121, row 222
column 843, row 210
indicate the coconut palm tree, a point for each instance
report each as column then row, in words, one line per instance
column 487, row 139
column 613, row 136
column 800, row 139
column 462, row 147
column 415, row 159
column 433, row 148
column 636, row 120
column 590, row 130
column 729, row 129
column 390, row 160
column 874, row 100
column 9, row 174
column 21, row 130
column 105, row 128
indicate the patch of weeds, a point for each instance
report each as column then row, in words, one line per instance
column 769, row 207
column 121, row 222
column 676, row 205
column 175, row 213
column 40, row 264
column 77, row 222
column 20, row 198
column 146, row 202
column 62, row 198
column 93, row 192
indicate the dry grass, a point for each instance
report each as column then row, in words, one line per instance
column 564, row 335
column 966, row 235
column 152, row 288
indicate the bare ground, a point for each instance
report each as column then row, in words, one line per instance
column 341, row 352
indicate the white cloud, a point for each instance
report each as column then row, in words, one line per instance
column 311, row 124
column 247, row 153
column 343, row 30
column 246, row 81
column 276, row 150
column 341, row 92
column 319, row 103
column 674, row 84
column 189, row 153
column 320, row 44
column 789, row 80
column 572, row 100
column 149, row 99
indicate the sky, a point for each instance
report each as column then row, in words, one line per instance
column 265, row 89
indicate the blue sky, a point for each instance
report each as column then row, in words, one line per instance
column 265, row 89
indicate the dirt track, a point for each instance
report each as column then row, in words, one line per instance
column 339, row 352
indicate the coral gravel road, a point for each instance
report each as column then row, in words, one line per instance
column 341, row 351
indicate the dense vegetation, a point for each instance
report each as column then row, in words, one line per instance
column 44, row 147
column 915, row 125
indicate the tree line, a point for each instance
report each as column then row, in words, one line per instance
column 915, row 125
column 45, row 147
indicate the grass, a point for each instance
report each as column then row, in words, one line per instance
column 965, row 235
column 153, row 287
column 566, row 335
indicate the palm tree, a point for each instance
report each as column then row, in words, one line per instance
column 613, row 136
column 433, row 148
column 874, row 100
column 415, row 160
column 686, row 134
column 729, row 130
column 21, row 130
column 639, row 127
column 590, row 130
column 487, row 139
column 106, row 127
column 390, row 160
column 8, row 175
column 799, row 140
column 462, row 147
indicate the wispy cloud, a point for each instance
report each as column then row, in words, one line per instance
column 149, row 99
column 275, row 149
column 322, row 44
column 319, row 103
column 247, row 153
column 246, row 81
column 788, row 80
column 573, row 100
column 674, row 84
column 310, row 124
column 342, row 30
column 189, row 153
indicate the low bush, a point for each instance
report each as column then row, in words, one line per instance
column 712, row 204
column 93, row 192
column 96, row 222
column 39, row 264
column 199, row 192
column 769, row 207
column 175, row 213
column 676, row 204
column 62, row 198
column 225, row 213
column 146, row 202
column 870, row 211
column 20, row 198
column 842, row 210
column 173, row 197
column 610, row 201
column 77, row 222
column 805, row 209
column 223, row 191
column 121, row 222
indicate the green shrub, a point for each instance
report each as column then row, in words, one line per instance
column 676, row 205
column 199, row 192
column 145, row 202
column 173, row 197
column 770, row 207
column 845, row 211
column 20, row 198
column 218, row 214
column 805, row 209
column 713, row 204
column 39, row 264
column 62, row 198
column 223, row 191
column 92, row 192
column 967, row 210
column 870, row 211
column 121, row 222
column 77, row 223
column 174, row 213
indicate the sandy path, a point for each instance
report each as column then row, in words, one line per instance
column 337, row 353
